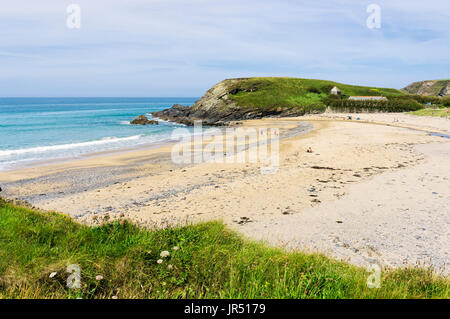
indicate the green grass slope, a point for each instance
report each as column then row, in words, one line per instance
column 211, row 262
column 296, row 92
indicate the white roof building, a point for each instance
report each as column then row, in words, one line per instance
column 368, row 98
column 335, row 91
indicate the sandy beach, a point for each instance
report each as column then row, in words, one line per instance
column 374, row 190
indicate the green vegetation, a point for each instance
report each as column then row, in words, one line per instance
column 211, row 262
column 446, row 101
column 423, row 99
column 310, row 95
column 441, row 112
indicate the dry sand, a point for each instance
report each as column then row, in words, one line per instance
column 373, row 190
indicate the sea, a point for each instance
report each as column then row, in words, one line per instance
column 36, row 130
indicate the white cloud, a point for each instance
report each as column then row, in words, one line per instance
column 173, row 47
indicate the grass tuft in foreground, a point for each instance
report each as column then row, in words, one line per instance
column 210, row 262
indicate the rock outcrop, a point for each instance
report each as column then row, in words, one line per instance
column 143, row 120
column 177, row 113
column 217, row 108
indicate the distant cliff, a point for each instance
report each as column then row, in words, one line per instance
column 429, row 88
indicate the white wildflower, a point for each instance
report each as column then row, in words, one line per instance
column 159, row 261
column 99, row 277
column 53, row 274
column 165, row 253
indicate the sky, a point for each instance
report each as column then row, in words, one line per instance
column 182, row 48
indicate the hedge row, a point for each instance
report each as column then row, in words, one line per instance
column 444, row 101
column 422, row 99
column 394, row 104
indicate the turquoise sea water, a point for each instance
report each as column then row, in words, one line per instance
column 39, row 129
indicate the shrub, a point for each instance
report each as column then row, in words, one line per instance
column 422, row 99
column 446, row 101
column 313, row 89
column 314, row 108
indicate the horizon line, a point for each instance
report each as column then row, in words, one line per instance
column 99, row 97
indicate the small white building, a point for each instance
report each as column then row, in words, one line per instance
column 335, row 91
column 367, row 98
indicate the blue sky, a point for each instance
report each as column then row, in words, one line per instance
column 182, row 48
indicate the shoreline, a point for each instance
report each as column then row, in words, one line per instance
column 87, row 156
column 327, row 116
column 110, row 153
column 108, row 168
column 346, row 155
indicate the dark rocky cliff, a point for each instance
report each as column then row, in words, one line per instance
column 217, row 107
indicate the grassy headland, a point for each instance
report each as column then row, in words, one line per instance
column 314, row 95
column 210, row 262
column 251, row 98
column 295, row 91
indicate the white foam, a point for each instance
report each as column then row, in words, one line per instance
column 165, row 121
column 40, row 149
column 17, row 158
